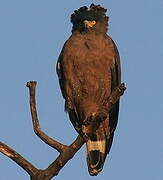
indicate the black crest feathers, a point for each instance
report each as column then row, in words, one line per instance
column 94, row 12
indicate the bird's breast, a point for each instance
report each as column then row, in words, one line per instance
column 87, row 69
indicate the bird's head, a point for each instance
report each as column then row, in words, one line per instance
column 93, row 18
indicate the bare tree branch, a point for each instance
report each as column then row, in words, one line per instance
column 115, row 95
column 9, row 152
column 36, row 126
column 66, row 152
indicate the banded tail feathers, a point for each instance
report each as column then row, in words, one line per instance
column 96, row 153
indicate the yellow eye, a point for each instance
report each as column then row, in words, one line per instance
column 93, row 22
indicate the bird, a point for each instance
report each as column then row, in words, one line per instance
column 88, row 70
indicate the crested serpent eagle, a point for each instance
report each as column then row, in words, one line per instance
column 88, row 69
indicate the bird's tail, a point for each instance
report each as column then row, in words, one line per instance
column 96, row 148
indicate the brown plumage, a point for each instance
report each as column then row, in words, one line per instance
column 89, row 69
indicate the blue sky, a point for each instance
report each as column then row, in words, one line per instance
column 32, row 34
